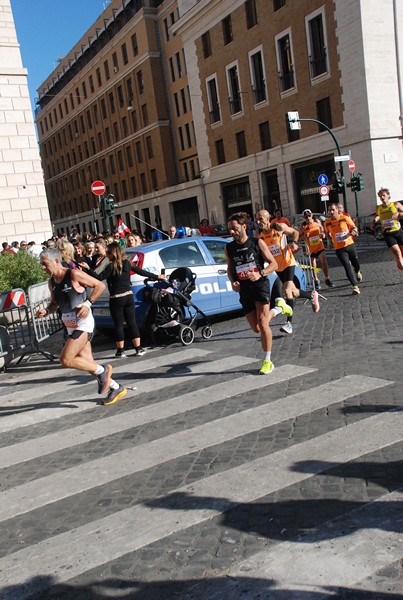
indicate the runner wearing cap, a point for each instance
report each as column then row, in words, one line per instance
column 312, row 232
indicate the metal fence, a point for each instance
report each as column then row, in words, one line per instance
column 21, row 332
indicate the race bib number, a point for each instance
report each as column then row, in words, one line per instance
column 315, row 240
column 388, row 224
column 70, row 320
column 342, row 236
column 275, row 250
column 243, row 271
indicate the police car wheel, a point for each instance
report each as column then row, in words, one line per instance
column 186, row 335
column 207, row 332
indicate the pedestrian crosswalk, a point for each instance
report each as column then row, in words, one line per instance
column 255, row 451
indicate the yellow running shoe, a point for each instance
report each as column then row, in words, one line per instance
column 285, row 308
column 267, row 367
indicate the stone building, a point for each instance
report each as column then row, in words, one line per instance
column 24, row 211
column 180, row 107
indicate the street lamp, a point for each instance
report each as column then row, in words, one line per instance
column 294, row 120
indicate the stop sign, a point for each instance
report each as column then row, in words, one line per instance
column 98, row 188
column 351, row 165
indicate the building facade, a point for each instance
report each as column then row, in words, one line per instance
column 180, row 107
column 24, row 211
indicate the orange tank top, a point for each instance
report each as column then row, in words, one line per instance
column 278, row 246
column 313, row 237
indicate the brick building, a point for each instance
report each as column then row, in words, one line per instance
column 180, row 106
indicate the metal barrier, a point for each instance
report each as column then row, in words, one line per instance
column 305, row 263
column 21, row 333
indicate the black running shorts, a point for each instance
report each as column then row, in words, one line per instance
column 393, row 238
column 287, row 274
column 257, row 291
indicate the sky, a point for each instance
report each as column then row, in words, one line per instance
column 48, row 29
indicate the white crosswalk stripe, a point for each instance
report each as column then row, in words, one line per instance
column 72, row 553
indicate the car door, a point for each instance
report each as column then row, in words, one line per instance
column 216, row 250
column 188, row 253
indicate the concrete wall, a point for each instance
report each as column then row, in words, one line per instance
column 23, row 206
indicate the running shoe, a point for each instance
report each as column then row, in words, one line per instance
column 115, row 395
column 317, row 284
column 356, row 290
column 267, row 367
column 285, row 308
column 358, row 276
column 140, row 351
column 287, row 328
column 315, row 301
column 120, row 353
column 104, row 379
column 329, row 283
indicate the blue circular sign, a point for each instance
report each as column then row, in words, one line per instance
column 323, row 179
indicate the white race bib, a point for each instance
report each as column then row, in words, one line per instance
column 343, row 235
column 243, row 270
column 70, row 320
column 275, row 250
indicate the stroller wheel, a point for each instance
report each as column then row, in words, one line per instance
column 186, row 335
column 207, row 332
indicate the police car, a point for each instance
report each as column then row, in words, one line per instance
column 205, row 256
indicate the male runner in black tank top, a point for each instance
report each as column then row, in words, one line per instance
column 68, row 292
column 248, row 275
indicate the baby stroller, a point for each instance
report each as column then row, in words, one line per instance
column 172, row 313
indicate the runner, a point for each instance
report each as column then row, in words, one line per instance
column 340, row 230
column 388, row 214
column 275, row 236
column 312, row 233
column 68, row 293
column 248, row 275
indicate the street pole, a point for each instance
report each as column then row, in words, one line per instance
column 338, row 150
column 94, row 221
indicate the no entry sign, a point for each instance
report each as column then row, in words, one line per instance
column 351, row 165
column 98, row 188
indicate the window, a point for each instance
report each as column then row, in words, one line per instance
column 140, row 82
column 106, row 69
column 78, row 102
column 234, row 90
column 316, row 44
column 120, row 161
column 72, row 107
column 250, row 13
column 257, row 77
column 183, row 99
column 112, row 102
column 124, row 189
column 100, row 141
column 206, row 44
column 181, row 142
column 188, row 136
column 227, row 30
column 103, row 108
column 292, row 134
column 185, row 172
column 149, row 146
column 154, row 181
column 143, row 182
column 116, row 136
column 278, row 4
column 84, row 88
column 115, row 62
column 324, row 113
column 176, row 102
column 96, row 114
column 108, row 136
column 135, row 47
column 217, row 250
column 91, row 82
column 241, row 144
column 112, row 164
column 144, row 114
column 139, row 152
column 129, row 156
column 171, row 68
column 183, row 254
column 125, row 128
column 133, row 186
column 125, row 57
column 213, row 101
column 178, row 64
column 285, row 63
column 220, row 153
column 89, row 119
column 166, row 29
column 99, row 78
column 264, row 133
column 120, row 96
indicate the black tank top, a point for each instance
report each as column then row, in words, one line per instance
column 65, row 295
column 245, row 258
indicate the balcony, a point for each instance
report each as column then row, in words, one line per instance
column 235, row 105
column 215, row 115
column 287, row 81
column 318, row 64
column 259, row 94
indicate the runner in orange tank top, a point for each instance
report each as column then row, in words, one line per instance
column 312, row 232
column 275, row 236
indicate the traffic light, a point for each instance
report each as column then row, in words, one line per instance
column 357, row 183
column 339, row 184
column 110, row 205
column 102, row 207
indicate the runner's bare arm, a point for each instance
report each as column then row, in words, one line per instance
column 85, row 281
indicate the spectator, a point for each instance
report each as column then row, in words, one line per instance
column 6, row 249
column 278, row 218
column 132, row 240
column 66, row 250
column 205, row 228
column 23, row 245
column 80, row 255
column 34, row 249
column 172, row 232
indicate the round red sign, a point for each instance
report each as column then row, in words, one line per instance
column 351, row 165
column 98, row 188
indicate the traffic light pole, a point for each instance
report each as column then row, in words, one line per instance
column 102, row 210
column 338, row 150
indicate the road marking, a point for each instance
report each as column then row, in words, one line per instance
column 72, row 553
column 17, row 453
column 40, row 492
